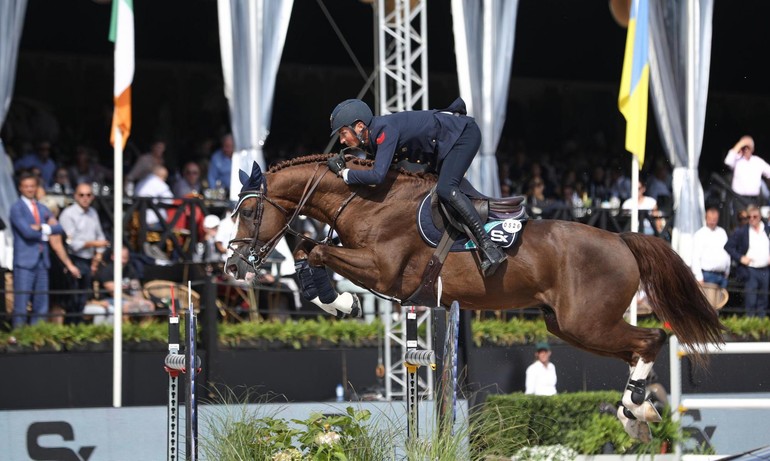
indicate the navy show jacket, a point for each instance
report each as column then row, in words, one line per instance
column 430, row 133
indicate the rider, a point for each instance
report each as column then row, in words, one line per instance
column 448, row 136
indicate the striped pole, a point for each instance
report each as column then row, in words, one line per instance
column 189, row 364
column 447, row 404
column 191, row 438
column 172, row 450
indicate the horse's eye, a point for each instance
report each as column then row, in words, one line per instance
column 247, row 212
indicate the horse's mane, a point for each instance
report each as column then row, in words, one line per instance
column 318, row 158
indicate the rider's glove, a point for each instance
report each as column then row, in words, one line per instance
column 336, row 163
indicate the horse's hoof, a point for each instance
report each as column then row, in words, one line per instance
column 649, row 412
column 355, row 309
column 636, row 429
column 645, row 412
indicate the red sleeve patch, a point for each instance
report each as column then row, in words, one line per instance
column 381, row 138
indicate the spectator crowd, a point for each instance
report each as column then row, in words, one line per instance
column 62, row 237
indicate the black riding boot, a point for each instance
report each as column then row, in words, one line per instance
column 491, row 254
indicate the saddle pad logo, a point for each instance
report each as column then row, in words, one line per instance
column 502, row 233
column 502, row 230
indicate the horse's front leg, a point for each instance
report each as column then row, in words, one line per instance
column 316, row 286
column 357, row 265
column 303, row 249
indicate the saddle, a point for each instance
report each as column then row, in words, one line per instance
column 504, row 219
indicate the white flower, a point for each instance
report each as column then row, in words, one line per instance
column 327, row 438
column 545, row 453
column 292, row 454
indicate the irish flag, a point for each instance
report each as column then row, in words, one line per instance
column 122, row 34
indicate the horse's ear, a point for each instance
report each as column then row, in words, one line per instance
column 243, row 176
column 254, row 182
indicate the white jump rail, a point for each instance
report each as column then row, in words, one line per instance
column 680, row 406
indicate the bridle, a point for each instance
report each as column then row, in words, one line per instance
column 259, row 250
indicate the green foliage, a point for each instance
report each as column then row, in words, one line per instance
column 508, row 333
column 238, row 434
column 599, row 430
column 336, row 437
column 315, row 333
column 753, row 328
column 301, row 333
column 84, row 333
column 49, row 336
column 340, row 437
column 148, row 331
column 41, row 336
column 516, row 420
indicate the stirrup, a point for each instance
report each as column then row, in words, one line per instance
column 491, row 258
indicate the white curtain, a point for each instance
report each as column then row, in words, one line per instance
column 680, row 59
column 484, row 32
column 11, row 24
column 251, row 37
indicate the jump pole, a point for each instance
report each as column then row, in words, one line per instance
column 414, row 358
column 172, row 431
column 447, row 393
column 176, row 363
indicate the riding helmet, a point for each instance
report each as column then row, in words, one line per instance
column 348, row 112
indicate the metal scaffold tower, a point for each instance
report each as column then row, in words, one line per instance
column 401, row 50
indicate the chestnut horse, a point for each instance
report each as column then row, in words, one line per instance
column 584, row 277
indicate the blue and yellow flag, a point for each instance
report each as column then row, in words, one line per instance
column 635, row 81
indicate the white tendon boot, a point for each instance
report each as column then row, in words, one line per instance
column 635, row 396
column 345, row 304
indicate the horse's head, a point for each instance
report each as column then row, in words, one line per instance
column 259, row 224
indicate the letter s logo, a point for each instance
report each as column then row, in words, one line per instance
column 61, row 428
column 498, row 236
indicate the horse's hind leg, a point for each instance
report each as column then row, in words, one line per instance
column 636, row 346
column 552, row 325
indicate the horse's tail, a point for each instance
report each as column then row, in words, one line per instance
column 674, row 294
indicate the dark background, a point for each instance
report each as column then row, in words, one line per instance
column 565, row 77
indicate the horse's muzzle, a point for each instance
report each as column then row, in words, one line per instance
column 239, row 269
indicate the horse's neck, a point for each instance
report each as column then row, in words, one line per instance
column 291, row 186
column 331, row 193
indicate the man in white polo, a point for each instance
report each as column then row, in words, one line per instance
column 748, row 169
column 541, row 374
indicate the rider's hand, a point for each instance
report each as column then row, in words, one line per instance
column 336, row 164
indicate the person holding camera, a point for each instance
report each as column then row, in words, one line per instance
column 748, row 170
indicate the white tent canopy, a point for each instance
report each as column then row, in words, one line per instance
column 484, row 32
column 251, row 37
column 11, row 24
column 680, row 58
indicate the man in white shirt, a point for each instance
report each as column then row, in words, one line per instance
column 748, row 169
column 711, row 263
column 541, row 375
column 154, row 185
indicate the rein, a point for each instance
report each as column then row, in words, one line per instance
column 257, row 256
